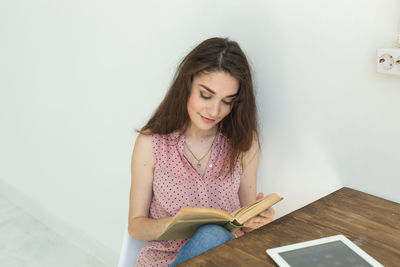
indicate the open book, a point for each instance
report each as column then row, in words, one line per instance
column 185, row 223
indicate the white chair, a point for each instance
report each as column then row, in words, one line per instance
column 129, row 251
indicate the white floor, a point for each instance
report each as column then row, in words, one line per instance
column 24, row 241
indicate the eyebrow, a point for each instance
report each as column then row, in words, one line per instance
column 212, row 92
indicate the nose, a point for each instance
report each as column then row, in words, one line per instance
column 213, row 109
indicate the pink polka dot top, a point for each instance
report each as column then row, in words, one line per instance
column 176, row 184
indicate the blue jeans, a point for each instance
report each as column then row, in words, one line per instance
column 207, row 237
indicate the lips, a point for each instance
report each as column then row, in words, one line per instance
column 207, row 120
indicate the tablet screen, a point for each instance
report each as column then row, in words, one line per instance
column 334, row 253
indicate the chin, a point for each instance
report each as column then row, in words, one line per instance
column 207, row 127
column 204, row 126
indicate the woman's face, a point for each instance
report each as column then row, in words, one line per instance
column 211, row 99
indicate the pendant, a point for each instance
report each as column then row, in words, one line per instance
column 198, row 165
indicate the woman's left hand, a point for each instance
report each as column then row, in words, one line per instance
column 262, row 219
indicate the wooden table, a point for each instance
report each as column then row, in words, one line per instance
column 370, row 222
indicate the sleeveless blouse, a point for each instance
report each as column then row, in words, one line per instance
column 177, row 184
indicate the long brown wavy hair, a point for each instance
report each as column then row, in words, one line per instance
column 216, row 54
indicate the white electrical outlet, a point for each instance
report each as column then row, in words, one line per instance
column 388, row 61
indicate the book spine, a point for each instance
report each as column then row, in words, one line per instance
column 232, row 227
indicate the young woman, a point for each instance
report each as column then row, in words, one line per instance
column 199, row 149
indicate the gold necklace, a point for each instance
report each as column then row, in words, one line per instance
column 198, row 165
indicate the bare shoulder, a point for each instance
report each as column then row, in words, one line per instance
column 143, row 141
column 143, row 151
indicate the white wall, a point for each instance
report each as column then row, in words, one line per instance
column 77, row 77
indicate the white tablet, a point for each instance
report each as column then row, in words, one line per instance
column 334, row 251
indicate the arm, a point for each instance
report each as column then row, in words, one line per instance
column 248, row 179
column 248, row 188
column 142, row 166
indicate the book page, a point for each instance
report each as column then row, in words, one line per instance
column 188, row 219
column 190, row 213
column 255, row 208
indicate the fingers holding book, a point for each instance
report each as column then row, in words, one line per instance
column 262, row 219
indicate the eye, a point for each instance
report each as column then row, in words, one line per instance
column 227, row 102
column 204, row 96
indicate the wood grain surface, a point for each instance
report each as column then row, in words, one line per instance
column 370, row 222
